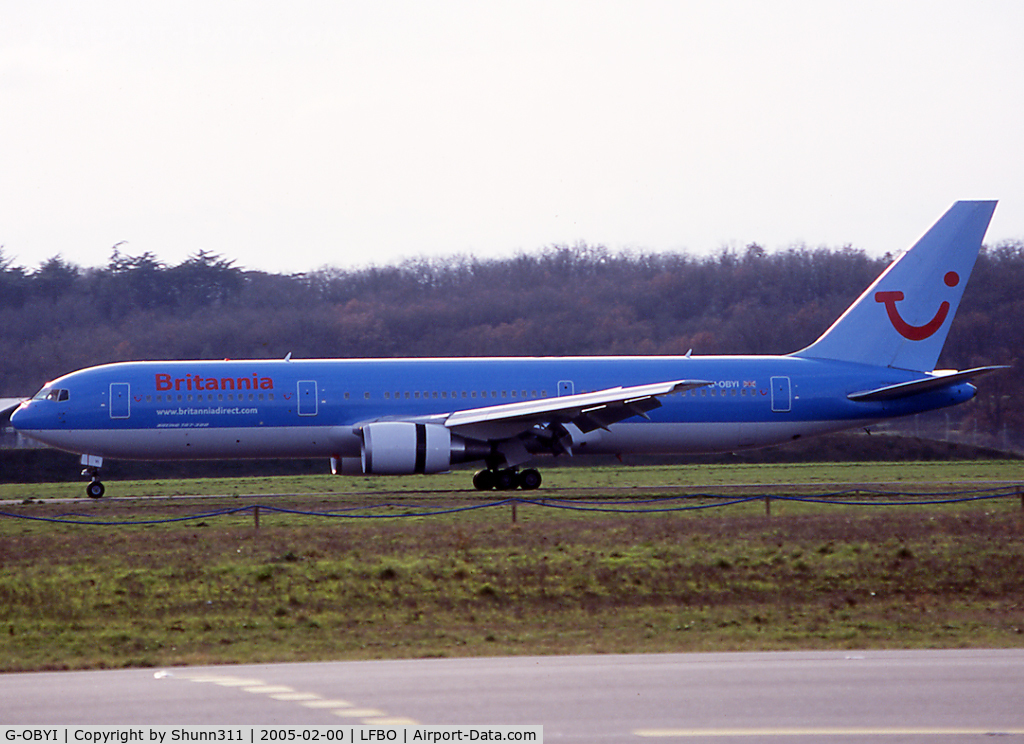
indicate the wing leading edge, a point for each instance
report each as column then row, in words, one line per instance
column 587, row 411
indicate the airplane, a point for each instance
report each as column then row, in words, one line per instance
column 405, row 416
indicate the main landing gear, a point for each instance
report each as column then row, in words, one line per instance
column 507, row 479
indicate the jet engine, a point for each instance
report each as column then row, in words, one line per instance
column 401, row 448
column 404, row 448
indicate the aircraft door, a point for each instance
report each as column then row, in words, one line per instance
column 307, row 395
column 565, row 387
column 120, row 400
column 781, row 394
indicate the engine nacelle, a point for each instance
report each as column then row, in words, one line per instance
column 403, row 448
column 346, row 466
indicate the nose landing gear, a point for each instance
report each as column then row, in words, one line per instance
column 95, row 489
column 92, row 463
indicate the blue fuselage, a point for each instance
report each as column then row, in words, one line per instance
column 312, row 408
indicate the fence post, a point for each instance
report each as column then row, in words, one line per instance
column 767, row 506
column 256, row 516
column 515, row 516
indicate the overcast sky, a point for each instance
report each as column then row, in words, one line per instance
column 289, row 136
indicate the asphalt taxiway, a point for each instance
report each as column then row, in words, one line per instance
column 890, row 696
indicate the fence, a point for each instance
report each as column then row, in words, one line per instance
column 689, row 502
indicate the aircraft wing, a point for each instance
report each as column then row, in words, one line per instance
column 9, row 404
column 587, row 411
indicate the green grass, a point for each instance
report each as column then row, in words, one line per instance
column 216, row 590
column 697, row 477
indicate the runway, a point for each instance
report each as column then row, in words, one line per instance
column 890, row 696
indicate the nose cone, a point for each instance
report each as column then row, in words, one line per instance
column 30, row 416
column 16, row 418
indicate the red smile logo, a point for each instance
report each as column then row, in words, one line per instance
column 916, row 333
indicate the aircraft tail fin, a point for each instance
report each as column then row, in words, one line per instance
column 903, row 318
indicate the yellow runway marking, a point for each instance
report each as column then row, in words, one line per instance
column 895, row 731
column 236, row 682
column 295, row 697
column 342, row 708
column 328, row 704
column 268, row 689
column 357, row 712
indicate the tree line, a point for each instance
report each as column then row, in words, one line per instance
column 563, row 300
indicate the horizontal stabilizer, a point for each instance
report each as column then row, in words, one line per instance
column 914, row 387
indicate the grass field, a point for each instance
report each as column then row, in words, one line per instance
column 214, row 589
column 697, row 477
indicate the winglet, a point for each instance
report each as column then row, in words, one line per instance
column 903, row 318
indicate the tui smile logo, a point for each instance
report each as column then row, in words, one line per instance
column 911, row 332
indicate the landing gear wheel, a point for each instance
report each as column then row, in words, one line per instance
column 529, row 479
column 506, row 480
column 95, row 490
column 483, row 480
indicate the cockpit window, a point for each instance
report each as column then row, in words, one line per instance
column 48, row 393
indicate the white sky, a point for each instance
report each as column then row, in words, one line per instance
column 289, row 136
